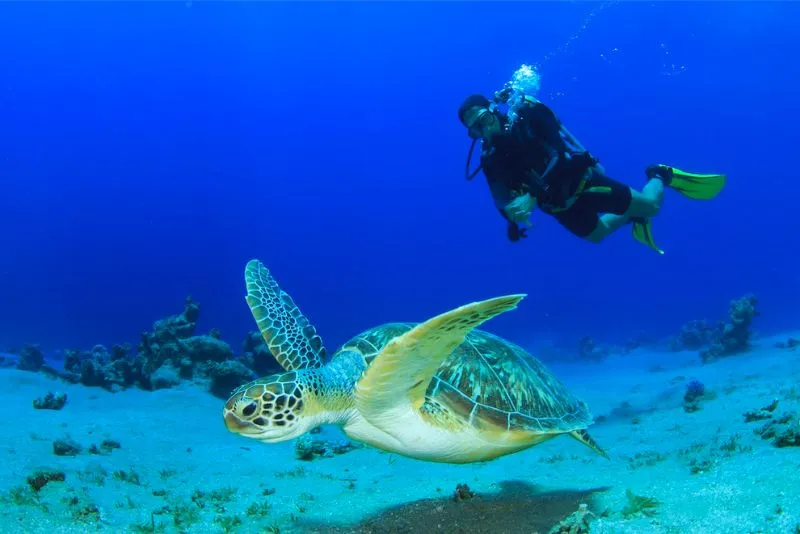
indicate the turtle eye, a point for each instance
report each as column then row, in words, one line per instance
column 249, row 409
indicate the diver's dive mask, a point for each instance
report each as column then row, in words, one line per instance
column 483, row 118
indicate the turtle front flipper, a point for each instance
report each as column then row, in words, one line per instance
column 290, row 336
column 399, row 375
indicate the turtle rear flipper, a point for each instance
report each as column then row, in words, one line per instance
column 401, row 372
column 584, row 437
column 289, row 335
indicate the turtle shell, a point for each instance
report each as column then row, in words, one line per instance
column 489, row 383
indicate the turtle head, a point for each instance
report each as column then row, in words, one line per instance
column 274, row 408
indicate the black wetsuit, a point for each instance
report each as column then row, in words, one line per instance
column 515, row 162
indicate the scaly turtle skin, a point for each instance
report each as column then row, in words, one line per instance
column 439, row 391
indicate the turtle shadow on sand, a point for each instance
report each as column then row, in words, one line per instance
column 518, row 507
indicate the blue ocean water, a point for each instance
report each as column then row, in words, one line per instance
column 148, row 150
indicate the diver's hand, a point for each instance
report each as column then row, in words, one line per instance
column 503, row 95
column 514, row 232
column 519, row 210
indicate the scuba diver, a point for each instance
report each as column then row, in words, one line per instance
column 531, row 160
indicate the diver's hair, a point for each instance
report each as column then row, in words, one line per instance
column 472, row 101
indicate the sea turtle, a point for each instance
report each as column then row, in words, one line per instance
column 439, row 391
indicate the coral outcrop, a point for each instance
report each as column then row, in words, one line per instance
column 51, row 401
column 782, row 430
column 726, row 338
column 694, row 335
column 695, row 392
column 734, row 336
column 308, row 448
column 257, row 356
column 31, row 358
column 171, row 353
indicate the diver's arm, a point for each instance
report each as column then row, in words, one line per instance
column 503, row 197
column 550, row 164
column 501, row 194
column 513, row 232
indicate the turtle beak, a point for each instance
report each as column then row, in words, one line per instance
column 243, row 416
column 238, row 426
column 235, row 423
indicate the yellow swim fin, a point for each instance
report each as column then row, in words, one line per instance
column 643, row 233
column 692, row 185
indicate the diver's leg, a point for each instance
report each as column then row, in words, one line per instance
column 580, row 220
column 607, row 224
column 646, row 203
column 611, row 198
column 583, row 221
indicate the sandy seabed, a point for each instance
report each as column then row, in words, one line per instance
column 179, row 470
